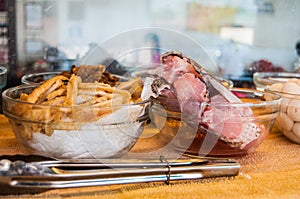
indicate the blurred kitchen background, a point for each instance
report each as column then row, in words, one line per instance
column 240, row 36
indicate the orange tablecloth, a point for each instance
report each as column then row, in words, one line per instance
column 273, row 171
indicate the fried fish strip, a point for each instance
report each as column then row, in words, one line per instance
column 39, row 93
column 56, row 101
column 96, row 86
column 101, row 89
column 134, row 86
column 93, row 92
column 56, row 93
column 72, row 90
column 38, row 114
column 104, row 101
column 83, row 98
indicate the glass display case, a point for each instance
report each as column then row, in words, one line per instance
column 240, row 36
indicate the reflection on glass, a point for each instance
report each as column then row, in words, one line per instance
column 3, row 77
column 234, row 33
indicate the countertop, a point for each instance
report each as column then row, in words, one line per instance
column 273, row 171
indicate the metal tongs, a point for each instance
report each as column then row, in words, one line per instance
column 79, row 173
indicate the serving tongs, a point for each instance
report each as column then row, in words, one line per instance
column 79, row 173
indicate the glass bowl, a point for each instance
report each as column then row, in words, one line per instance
column 77, row 131
column 263, row 80
column 38, row 78
column 217, row 129
column 285, row 84
column 288, row 121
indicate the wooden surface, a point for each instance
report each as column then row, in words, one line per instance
column 273, row 171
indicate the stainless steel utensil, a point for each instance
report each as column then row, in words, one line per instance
column 78, row 173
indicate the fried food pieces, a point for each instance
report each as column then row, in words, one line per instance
column 74, row 98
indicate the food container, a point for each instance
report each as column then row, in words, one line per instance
column 287, row 85
column 76, row 131
column 37, row 78
column 218, row 129
column 288, row 121
column 263, row 80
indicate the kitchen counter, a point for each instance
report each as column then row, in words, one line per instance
column 273, row 171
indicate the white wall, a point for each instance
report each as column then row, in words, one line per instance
column 102, row 19
column 281, row 29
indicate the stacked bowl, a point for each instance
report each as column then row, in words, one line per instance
column 287, row 85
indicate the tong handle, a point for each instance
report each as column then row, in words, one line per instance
column 164, row 174
column 120, row 163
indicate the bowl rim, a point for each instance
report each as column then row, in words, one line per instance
column 29, row 75
column 275, row 101
column 283, row 94
column 5, row 97
column 3, row 70
column 262, row 75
